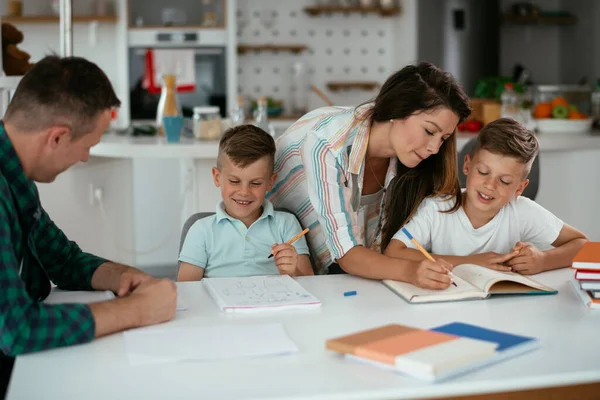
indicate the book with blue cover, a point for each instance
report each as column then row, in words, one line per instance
column 508, row 344
column 435, row 354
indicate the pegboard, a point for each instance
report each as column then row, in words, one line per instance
column 341, row 47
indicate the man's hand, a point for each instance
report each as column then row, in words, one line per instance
column 156, row 301
column 432, row 275
column 286, row 259
column 130, row 279
column 151, row 301
column 529, row 260
column 118, row 278
column 493, row 260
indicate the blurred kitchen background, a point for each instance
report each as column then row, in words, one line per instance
column 298, row 55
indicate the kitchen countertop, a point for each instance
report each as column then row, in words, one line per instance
column 118, row 146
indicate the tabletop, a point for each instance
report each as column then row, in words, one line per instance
column 567, row 331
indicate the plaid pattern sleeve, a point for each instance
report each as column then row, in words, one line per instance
column 67, row 266
column 27, row 325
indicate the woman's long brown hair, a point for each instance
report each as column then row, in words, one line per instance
column 414, row 89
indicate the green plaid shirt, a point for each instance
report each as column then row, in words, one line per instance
column 33, row 251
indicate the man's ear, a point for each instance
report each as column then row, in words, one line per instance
column 521, row 187
column 57, row 135
column 466, row 164
column 216, row 176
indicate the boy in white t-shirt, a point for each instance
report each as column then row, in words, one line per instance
column 494, row 227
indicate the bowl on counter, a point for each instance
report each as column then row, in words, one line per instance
column 557, row 125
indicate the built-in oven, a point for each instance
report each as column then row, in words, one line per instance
column 209, row 65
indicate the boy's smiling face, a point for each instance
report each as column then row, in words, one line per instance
column 493, row 180
column 243, row 189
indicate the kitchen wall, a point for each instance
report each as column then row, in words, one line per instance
column 102, row 43
column 555, row 54
column 341, row 47
column 537, row 47
column 580, row 55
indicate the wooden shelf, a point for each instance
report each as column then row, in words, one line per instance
column 539, row 19
column 384, row 12
column 366, row 85
column 294, row 48
column 39, row 19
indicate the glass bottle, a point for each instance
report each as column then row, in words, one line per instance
column 167, row 104
column 237, row 114
column 510, row 103
column 261, row 118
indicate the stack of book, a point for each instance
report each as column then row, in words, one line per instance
column 435, row 354
column 587, row 274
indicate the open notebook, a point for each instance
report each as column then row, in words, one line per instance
column 256, row 293
column 472, row 282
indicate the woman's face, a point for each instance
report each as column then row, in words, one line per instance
column 421, row 135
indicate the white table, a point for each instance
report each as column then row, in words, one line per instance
column 568, row 331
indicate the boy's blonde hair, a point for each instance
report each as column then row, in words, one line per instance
column 245, row 144
column 508, row 138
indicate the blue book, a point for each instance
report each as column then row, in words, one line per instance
column 508, row 344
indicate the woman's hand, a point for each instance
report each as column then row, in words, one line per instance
column 432, row 275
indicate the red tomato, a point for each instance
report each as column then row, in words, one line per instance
column 461, row 127
column 473, row 125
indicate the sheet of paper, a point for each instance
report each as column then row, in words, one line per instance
column 162, row 344
column 58, row 296
column 269, row 291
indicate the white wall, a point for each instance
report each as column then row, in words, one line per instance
column 406, row 32
column 67, row 201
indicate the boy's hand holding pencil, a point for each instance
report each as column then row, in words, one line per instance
column 286, row 256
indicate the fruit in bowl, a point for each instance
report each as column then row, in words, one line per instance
column 558, row 108
column 558, row 116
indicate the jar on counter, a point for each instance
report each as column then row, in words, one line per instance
column 207, row 123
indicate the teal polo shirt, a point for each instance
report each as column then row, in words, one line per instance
column 225, row 247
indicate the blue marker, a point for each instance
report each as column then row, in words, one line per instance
column 352, row 293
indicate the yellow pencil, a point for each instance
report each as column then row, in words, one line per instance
column 292, row 240
column 425, row 252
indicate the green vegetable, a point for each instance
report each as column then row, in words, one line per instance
column 560, row 111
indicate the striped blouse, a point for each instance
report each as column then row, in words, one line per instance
column 320, row 168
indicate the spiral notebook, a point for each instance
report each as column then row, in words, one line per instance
column 256, row 293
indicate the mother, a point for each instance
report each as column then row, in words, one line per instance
column 354, row 176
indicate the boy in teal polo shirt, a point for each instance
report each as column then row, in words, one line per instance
column 245, row 229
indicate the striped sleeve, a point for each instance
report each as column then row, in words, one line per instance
column 330, row 196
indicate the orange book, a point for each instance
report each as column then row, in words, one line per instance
column 588, row 257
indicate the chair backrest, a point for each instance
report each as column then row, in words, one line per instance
column 534, row 176
column 188, row 224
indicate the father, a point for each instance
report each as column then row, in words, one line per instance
column 58, row 112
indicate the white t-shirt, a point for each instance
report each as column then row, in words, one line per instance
column 452, row 233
